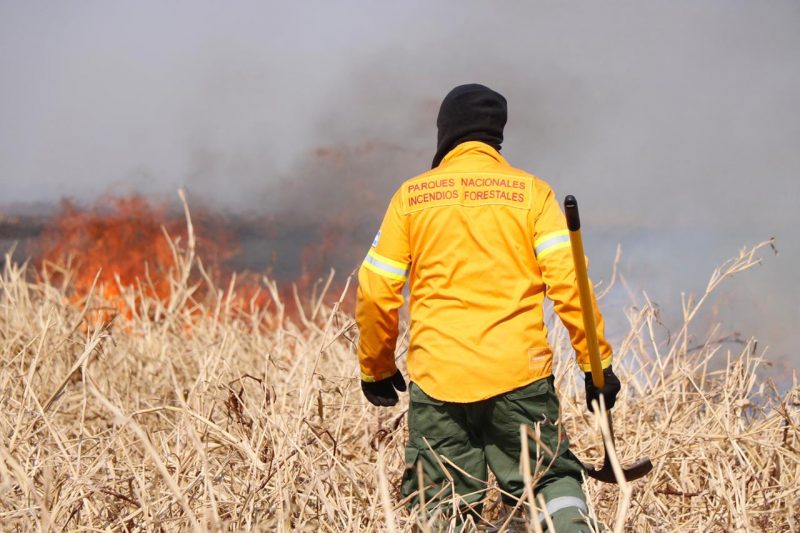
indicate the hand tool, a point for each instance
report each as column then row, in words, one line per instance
column 605, row 473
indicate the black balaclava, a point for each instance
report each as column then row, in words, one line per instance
column 470, row 112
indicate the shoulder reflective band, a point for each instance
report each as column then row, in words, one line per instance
column 551, row 242
column 385, row 267
column 558, row 504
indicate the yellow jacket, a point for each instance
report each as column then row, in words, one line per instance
column 481, row 244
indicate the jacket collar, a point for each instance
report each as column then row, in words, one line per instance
column 473, row 148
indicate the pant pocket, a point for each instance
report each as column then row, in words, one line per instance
column 536, row 402
column 448, row 469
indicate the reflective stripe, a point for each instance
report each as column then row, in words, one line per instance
column 385, row 267
column 550, row 243
column 558, row 504
column 548, row 236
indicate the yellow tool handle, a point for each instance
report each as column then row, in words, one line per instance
column 587, row 307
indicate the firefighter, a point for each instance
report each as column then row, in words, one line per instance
column 480, row 244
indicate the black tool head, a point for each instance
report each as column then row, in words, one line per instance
column 640, row 468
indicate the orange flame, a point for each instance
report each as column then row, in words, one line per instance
column 123, row 242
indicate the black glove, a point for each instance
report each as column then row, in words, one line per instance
column 382, row 393
column 609, row 391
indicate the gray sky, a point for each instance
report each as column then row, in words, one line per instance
column 676, row 124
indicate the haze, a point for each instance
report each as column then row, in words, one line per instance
column 676, row 124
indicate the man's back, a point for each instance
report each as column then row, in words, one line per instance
column 476, row 291
column 478, row 240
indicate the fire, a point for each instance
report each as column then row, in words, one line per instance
column 132, row 242
column 117, row 243
column 122, row 240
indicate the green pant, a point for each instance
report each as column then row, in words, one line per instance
column 470, row 435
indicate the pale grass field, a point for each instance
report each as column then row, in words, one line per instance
column 193, row 415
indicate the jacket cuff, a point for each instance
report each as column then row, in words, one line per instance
column 369, row 378
column 605, row 363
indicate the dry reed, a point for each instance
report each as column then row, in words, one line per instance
column 199, row 413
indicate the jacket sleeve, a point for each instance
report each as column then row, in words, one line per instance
column 380, row 295
column 554, row 255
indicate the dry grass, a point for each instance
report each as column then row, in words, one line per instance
column 190, row 414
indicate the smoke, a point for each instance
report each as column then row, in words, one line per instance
column 675, row 124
